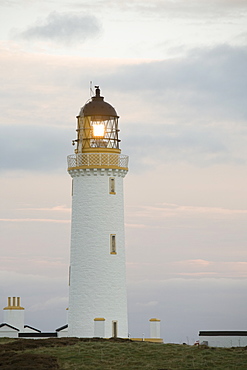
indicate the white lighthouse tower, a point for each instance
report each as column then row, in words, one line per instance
column 97, row 293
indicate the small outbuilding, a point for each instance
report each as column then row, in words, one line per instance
column 223, row 338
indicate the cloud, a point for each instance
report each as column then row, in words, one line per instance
column 64, row 28
column 174, row 209
column 209, row 9
column 203, row 237
column 39, row 266
column 196, row 110
column 198, row 145
column 197, row 262
column 147, row 304
column 193, row 269
column 193, row 8
column 8, row 3
column 208, row 76
column 61, row 208
column 202, row 268
column 138, row 226
column 34, row 220
column 162, row 216
column 34, row 148
column 50, row 304
column 190, row 109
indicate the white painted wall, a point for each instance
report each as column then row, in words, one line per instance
column 225, row 341
column 14, row 317
column 6, row 332
column 97, row 278
column 62, row 333
column 99, row 328
column 154, row 328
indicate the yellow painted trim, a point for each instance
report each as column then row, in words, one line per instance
column 94, row 166
column 155, row 320
column 113, row 253
column 14, row 308
column 112, row 192
column 100, row 150
column 99, row 319
column 151, row 340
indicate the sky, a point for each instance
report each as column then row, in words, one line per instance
column 175, row 71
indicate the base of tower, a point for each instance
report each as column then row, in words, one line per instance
column 150, row 340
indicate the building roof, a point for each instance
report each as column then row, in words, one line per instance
column 223, row 333
column 62, row 327
column 10, row 326
column 97, row 107
column 38, row 335
column 30, row 327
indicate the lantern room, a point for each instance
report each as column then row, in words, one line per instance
column 97, row 127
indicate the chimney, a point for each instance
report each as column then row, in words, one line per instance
column 14, row 313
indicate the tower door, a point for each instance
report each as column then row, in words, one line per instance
column 114, row 329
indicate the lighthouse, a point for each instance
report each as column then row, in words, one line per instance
column 97, row 283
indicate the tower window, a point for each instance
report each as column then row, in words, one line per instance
column 112, row 185
column 114, row 329
column 113, row 247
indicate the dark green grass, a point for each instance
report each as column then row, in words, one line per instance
column 76, row 354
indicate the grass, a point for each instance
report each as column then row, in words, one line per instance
column 76, row 354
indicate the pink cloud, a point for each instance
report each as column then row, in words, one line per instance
column 136, row 226
column 61, row 208
column 34, row 220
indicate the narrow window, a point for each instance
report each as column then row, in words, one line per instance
column 112, row 187
column 114, row 329
column 113, row 247
column 72, row 188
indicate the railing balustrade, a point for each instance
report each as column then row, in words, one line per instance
column 98, row 160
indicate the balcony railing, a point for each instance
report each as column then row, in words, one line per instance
column 98, row 160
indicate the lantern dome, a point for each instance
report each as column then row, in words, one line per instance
column 97, row 107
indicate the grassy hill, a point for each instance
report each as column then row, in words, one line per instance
column 76, row 354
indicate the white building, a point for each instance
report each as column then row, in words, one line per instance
column 13, row 317
column 97, row 294
column 13, row 314
column 223, row 338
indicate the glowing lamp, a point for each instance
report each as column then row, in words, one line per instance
column 99, row 130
